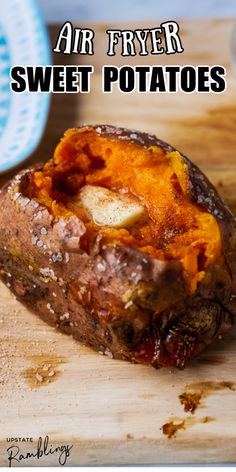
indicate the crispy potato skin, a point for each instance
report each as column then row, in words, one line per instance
column 117, row 299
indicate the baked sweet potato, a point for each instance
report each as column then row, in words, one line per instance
column 122, row 242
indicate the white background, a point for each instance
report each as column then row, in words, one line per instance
column 116, row 10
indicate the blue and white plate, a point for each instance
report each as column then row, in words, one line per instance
column 23, row 41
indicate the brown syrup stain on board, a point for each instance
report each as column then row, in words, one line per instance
column 212, row 360
column 171, row 428
column 210, row 386
column 191, row 399
column 147, row 396
column 45, row 370
column 207, row 419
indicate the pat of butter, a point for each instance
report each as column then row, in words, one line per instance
column 108, row 208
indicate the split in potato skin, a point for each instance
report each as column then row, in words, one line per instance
column 156, row 291
column 172, row 227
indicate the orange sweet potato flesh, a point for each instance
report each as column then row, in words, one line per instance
column 174, row 229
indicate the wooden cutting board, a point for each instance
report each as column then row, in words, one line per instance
column 113, row 412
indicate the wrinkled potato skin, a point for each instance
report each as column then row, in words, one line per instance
column 116, row 299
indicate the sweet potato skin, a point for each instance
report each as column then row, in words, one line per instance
column 120, row 301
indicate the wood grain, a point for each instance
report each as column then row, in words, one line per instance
column 113, row 412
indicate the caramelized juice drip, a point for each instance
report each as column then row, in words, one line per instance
column 44, row 370
column 190, row 401
column 170, row 429
column 192, row 397
column 175, row 424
